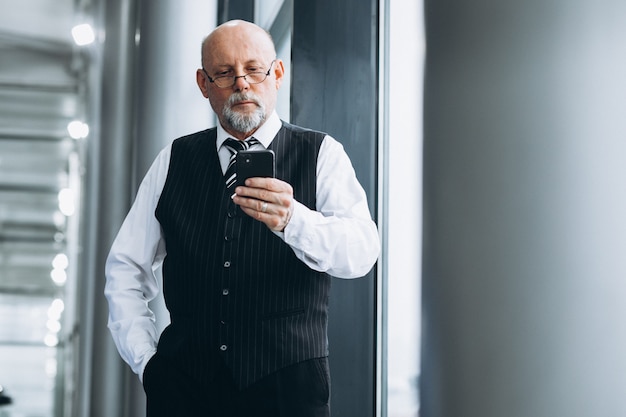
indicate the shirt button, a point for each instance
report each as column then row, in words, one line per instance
column 225, row 291
column 227, row 264
column 223, row 348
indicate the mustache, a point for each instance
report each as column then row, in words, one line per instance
column 238, row 96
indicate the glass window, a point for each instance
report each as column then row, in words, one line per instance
column 403, row 263
column 41, row 93
column 275, row 16
column 265, row 11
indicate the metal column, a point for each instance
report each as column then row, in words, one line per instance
column 102, row 392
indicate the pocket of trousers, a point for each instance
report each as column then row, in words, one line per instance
column 323, row 373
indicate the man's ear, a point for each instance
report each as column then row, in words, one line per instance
column 279, row 72
column 202, row 81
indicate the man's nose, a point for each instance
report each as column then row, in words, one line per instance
column 241, row 83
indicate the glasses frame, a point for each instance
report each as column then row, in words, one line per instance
column 234, row 77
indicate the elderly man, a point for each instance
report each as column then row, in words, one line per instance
column 246, row 267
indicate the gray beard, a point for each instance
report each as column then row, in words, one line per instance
column 243, row 123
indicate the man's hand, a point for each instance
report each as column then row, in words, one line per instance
column 269, row 200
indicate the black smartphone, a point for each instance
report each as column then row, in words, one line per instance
column 255, row 163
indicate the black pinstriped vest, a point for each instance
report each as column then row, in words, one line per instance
column 232, row 287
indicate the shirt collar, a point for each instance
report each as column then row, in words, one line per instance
column 264, row 134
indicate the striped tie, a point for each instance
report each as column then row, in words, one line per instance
column 234, row 146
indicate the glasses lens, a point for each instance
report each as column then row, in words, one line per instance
column 255, row 77
column 251, row 78
column 223, row 82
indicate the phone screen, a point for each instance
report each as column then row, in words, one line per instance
column 255, row 163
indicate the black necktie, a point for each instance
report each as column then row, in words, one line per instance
column 234, row 146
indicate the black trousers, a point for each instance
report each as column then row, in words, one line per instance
column 300, row 390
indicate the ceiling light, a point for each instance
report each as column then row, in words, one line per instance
column 53, row 325
column 59, row 276
column 66, row 202
column 51, row 340
column 55, row 309
column 83, row 34
column 60, row 261
column 78, row 129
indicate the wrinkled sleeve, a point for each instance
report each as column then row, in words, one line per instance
column 339, row 237
column 137, row 251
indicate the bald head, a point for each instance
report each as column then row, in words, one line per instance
column 237, row 36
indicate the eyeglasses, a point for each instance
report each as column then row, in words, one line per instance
column 226, row 81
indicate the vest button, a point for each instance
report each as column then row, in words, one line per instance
column 223, row 348
column 227, row 264
column 225, row 291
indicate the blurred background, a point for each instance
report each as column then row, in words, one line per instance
column 43, row 108
column 91, row 90
column 490, row 137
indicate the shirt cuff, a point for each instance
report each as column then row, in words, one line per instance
column 142, row 367
column 294, row 233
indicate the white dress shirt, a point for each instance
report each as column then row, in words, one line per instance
column 338, row 238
